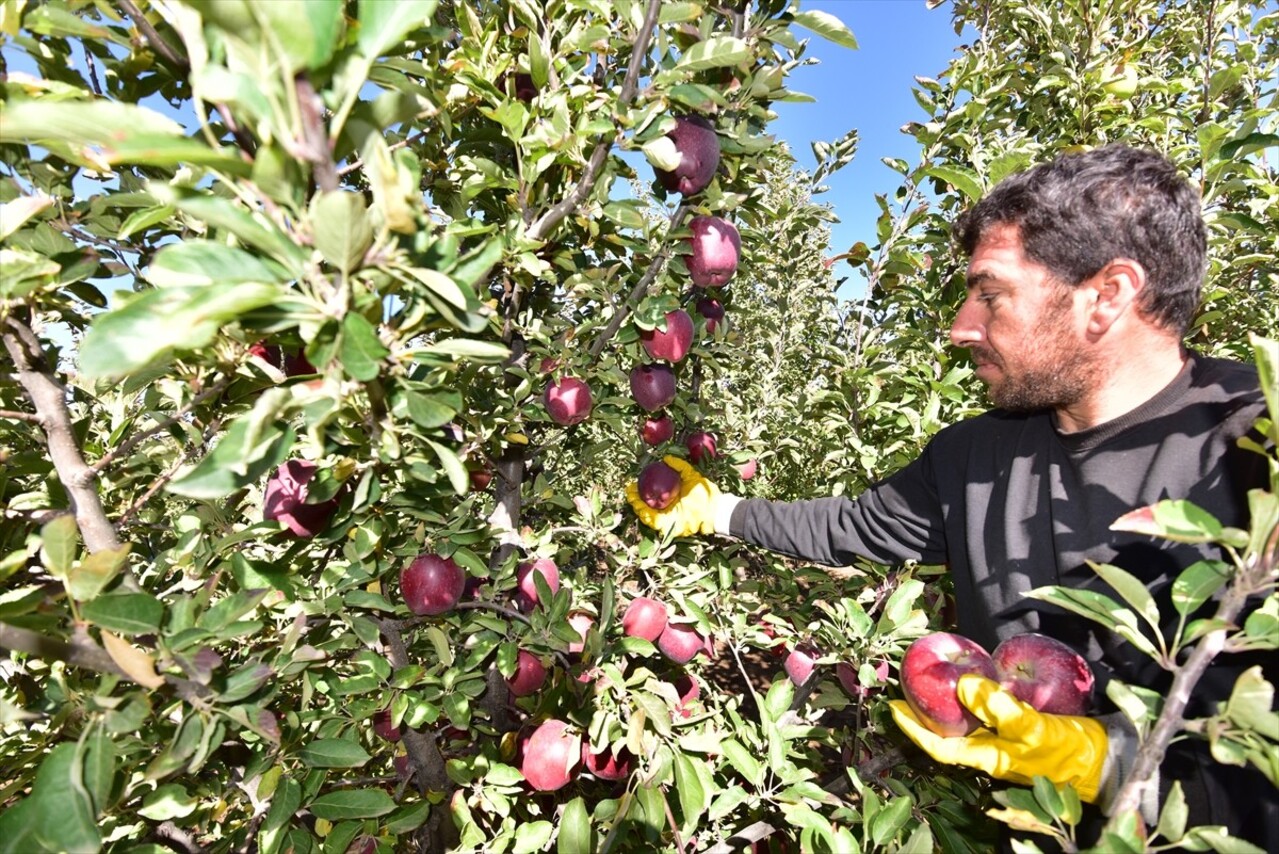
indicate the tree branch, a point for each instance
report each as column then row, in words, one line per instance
column 49, row 397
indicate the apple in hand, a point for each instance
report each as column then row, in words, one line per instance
column 645, row 618
column 526, row 588
column 432, row 584
column 930, row 670
column 284, row 500
column 659, row 485
column 1044, row 672
column 655, row 431
column 568, row 401
column 698, row 147
column 551, row 755
column 701, row 446
column 680, row 642
column 529, row 675
column 713, row 251
column 672, row 344
column 653, row 386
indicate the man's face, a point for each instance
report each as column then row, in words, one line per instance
column 1023, row 330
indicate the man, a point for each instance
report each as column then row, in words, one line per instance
column 1084, row 274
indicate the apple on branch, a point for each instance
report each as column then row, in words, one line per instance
column 529, row 675
column 653, row 386
column 713, row 251
column 607, row 765
column 681, row 641
column 432, row 584
column 701, row 446
column 672, row 343
column 526, row 596
column 930, row 670
column 800, row 664
column 645, row 618
column 685, row 159
column 551, row 756
column 568, row 401
column 655, row 430
column 284, row 500
column 711, row 309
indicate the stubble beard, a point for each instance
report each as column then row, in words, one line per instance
column 1054, row 373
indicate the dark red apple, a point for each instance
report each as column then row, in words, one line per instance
column 659, row 485
column 672, row 344
column 607, row 765
column 581, row 623
column 568, row 401
column 701, row 446
column 269, row 353
column 525, row 88
column 480, row 478
column 653, row 386
column 432, row 584
column 713, row 251
column 747, row 470
column 680, row 642
column 929, row 672
column 698, row 146
column 800, row 664
column 688, row 689
column 848, row 677
column 526, row 587
column 645, row 618
column 383, row 728
column 529, row 675
column 710, row 309
column 296, row 364
column 1046, row 673
column 284, row 500
column 655, row 431
column 551, row 756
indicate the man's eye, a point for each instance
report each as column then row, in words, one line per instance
column 986, row 298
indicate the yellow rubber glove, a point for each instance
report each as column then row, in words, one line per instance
column 1020, row 742
column 692, row 513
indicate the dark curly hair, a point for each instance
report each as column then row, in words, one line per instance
column 1081, row 211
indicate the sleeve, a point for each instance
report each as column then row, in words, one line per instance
column 899, row 518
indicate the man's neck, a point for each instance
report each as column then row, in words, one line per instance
column 1129, row 380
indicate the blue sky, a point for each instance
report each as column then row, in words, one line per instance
column 868, row 89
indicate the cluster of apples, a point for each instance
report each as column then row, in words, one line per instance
column 1035, row 668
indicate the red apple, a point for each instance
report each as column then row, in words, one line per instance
column 688, row 689
column 710, row 309
column 284, row 500
column 712, row 252
column 607, row 765
column 929, row 672
column 269, row 353
column 568, row 401
column 645, row 618
column 1045, row 672
column 526, row 588
column 848, row 677
column 672, row 344
column 529, row 675
column 701, row 446
column 800, row 664
column 653, row 386
column 383, row 728
column 698, row 146
column 680, row 642
column 480, row 478
column 659, row 485
column 525, row 88
column 655, row 431
column 581, row 623
column 296, row 364
column 747, row 470
column 551, row 756
column 432, row 584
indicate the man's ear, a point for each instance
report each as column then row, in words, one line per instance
column 1113, row 291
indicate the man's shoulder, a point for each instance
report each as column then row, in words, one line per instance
column 1225, row 378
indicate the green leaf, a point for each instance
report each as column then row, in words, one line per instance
column 81, row 122
column 92, row 575
column 425, row 410
column 235, row 463
column 1047, row 796
column 889, row 821
column 1172, row 818
column 168, row 802
column 468, row 348
column 575, row 834
column 778, row 701
column 408, row 818
column 715, row 52
column 1251, row 701
column 1179, row 520
column 384, row 25
column 61, row 809
column 306, row 30
column 965, row 180
column 342, row 229
column 155, row 324
column 59, row 544
column 1099, row 608
column 127, row 613
column 361, row 351
column 453, row 467
column 352, row 803
column 253, row 229
column 230, row 609
column 532, row 836
column 204, row 262
column 693, row 797
column 743, row 761
column 827, row 26
column 334, row 753
column 1196, row 583
column 98, row 756
column 1132, row 590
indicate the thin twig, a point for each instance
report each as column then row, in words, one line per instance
column 166, row 477
column 21, row 416
column 315, row 142
column 175, row 60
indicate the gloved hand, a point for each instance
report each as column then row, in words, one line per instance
column 1019, row 744
column 692, row 513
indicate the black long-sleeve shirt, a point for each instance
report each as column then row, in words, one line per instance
column 1011, row 504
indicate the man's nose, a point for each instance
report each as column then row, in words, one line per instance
column 967, row 329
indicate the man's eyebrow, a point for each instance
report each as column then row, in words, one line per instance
column 975, row 280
